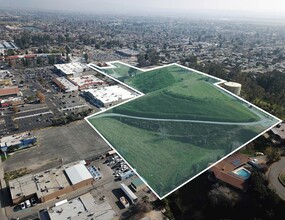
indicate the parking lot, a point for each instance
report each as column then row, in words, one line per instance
column 70, row 143
column 69, row 102
column 33, row 115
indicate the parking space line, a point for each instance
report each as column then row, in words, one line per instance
column 31, row 110
column 38, row 114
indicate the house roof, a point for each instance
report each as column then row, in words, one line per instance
column 224, row 169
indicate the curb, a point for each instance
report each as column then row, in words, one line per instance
column 279, row 177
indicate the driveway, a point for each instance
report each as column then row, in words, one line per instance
column 274, row 172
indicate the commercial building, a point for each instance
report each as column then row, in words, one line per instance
column 11, row 101
column 17, row 141
column 108, row 96
column 71, row 69
column 86, row 82
column 233, row 170
column 51, row 184
column 64, row 84
column 7, row 92
column 82, row 207
column 6, row 82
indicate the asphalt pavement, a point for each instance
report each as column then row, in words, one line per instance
column 275, row 170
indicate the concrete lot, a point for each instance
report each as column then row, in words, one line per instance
column 70, row 143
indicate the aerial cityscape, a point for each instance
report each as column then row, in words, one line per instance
column 173, row 111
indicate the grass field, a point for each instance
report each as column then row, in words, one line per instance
column 173, row 92
column 163, row 163
column 181, row 124
column 121, row 71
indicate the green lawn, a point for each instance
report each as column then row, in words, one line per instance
column 183, row 94
column 167, row 153
column 121, row 71
column 163, row 163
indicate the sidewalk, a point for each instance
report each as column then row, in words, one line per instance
column 3, row 195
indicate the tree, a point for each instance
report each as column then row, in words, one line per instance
column 272, row 154
column 40, row 96
column 51, row 60
column 223, row 196
column 68, row 50
column 15, row 109
column 141, row 60
column 85, row 57
column 39, row 61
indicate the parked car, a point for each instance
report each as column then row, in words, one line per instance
column 33, row 201
column 22, row 205
column 27, row 203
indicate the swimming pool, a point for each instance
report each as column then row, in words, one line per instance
column 245, row 174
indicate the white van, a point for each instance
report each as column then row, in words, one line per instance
column 27, row 203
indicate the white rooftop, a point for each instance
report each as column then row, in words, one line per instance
column 71, row 68
column 83, row 207
column 78, row 173
column 111, row 93
column 67, row 84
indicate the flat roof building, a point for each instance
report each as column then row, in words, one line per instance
column 86, row 82
column 6, row 82
column 71, row 69
column 82, row 207
column 10, row 92
column 52, row 183
column 21, row 140
column 64, row 84
column 107, row 96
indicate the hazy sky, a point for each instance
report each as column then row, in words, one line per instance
column 139, row 6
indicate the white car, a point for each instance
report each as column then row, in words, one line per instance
column 22, row 205
column 27, row 203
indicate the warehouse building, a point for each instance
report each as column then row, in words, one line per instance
column 108, row 96
column 51, row 184
column 64, row 84
column 70, row 69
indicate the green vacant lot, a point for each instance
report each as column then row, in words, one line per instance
column 181, row 124
column 121, row 71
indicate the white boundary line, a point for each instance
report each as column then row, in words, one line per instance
column 97, row 68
